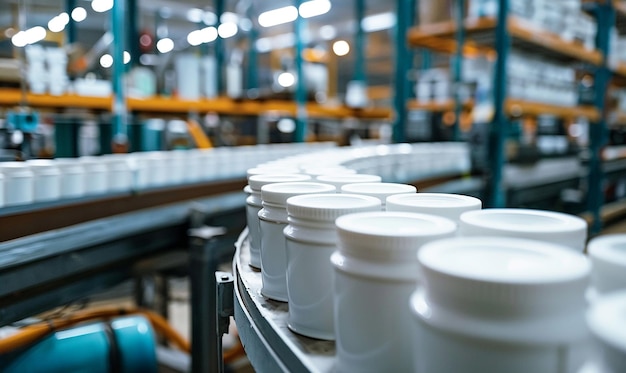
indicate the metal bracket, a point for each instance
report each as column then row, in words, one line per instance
column 225, row 300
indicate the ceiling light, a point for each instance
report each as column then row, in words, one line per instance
column 314, row 8
column 229, row 17
column 195, row 15
column 64, row 18
column 278, row 16
column 35, row 34
column 341, row 47
column 227, row 30
column 378, row 22
column 165, row 45
column 286, row 125
column 56, row 25
column 328, row 32
column 126, row 57
column 79, row 14
column 194, row 38
column 263, row 45
column 106, row 61
column 19, row 39
column 245, row 24
column 209, row 18
column 286, row 79
column 101, row 6
column 209, row 34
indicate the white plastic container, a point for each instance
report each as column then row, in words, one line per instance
column 96, row 175
column 376, row 271
column 72, row 177
column 495, row 304
column 311, row 240
column 607, row 322
column 254, row 205
column 548, row 226
column 449, row 206
column 608, row 256
column 19, row 180
column 47, row 183
column 319, row 171
column 1, row 190
column 120, row 176
column 272, row 221
column 378, row 190
column 340, row 180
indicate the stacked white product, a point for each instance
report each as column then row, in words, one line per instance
column 119, row 172
column 19, row 188
column 607, row 321
column 376, row 271
column 96, row 175
column 378, row 190
column 72, row 177
column 36, row 73
column 318, row 171
column 342, row 179
column 493, row 304
column 47, row 180
column 450, row 206
column 608, row 256
column 311, row 240
column 548, row 226
column 272, row 221
column 434, row 85
column 57, row 70
column 254, row 204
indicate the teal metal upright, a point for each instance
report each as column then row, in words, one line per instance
column 496, row 194
column 120, row 137
column 219, row 48
column 301, row 112
column 458, row 68
column 359, row 42
column 70, row 30
column 412, row 51
column 132, row 33
column 252, row 78
column 401, row 83
column 605, row 17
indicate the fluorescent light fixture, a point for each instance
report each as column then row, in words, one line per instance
column 314, row 8
column 209, row 34
column 79, row 14
column 286, row 79
column 19, row 39
column 263, row 44
column 209, row 18
column 106, row 61
column 286, row 125
column 195, row 15
column 341, row 48
column 126, row 57
column 56, row 24
column 229, row 17
column 245, row 24
column 328, row 32
column 227, row 30
column 101, row 6
column 278, row 16
column 64, row 18
column 165, row 45
column 281, row 41
column 194, row 38
column 35, row 34
column 378, row 22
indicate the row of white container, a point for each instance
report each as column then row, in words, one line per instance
column 49, row 180
column 399, row 292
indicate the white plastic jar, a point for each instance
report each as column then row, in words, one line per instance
column 337, row 170
column 311, row 240
column 608, row 256
column 72, row 177
column 120, row 175
column 47, row 183
column 607, row 322
column 548, row 226
column 340, row 180
column 19, row 183
column 376, row 271
column 449, row 206
column 96, row 175
column 272, row 221
column 254, row 205
column 378, row 190
column 496, row 304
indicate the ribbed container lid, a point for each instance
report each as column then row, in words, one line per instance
column 247, row 189
column 256, row 182
column 608, row 255
column 328, row 207
column 607, row 320
column 339, row 180
column 378, row 190
column 389, row 236
column 555, row 227
column 271, row 170
column 328, row 171
column 504, row 276
column 278, row 194
column 15, row 167
column 447, row 205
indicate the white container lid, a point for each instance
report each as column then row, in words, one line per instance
column 328, row 171
column 328, row 207
column 608, row 255
column 278, row 194
column 342, row 179
column 69, row 165
column 498, row 278
column 256, row 182
column 47, row 166
column 541, row 225
column 607, row 320
column 378, row 190
column 271, row 170
column 15, row 168
column 447, row 205
column 389, row 236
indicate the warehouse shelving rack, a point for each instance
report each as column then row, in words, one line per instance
column 498, row 34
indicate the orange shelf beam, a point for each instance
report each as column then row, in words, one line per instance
column 517, row 107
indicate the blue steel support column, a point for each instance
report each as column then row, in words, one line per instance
column 605, row 17
column 359, row 42
column 219, row 47
column 70, row 30
column 253, row 80
column 458, row 67
column 498, row 130
column 412, row 52
column 301, row 113
column 401, row 82
column 132, row 34
column 120, row 138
